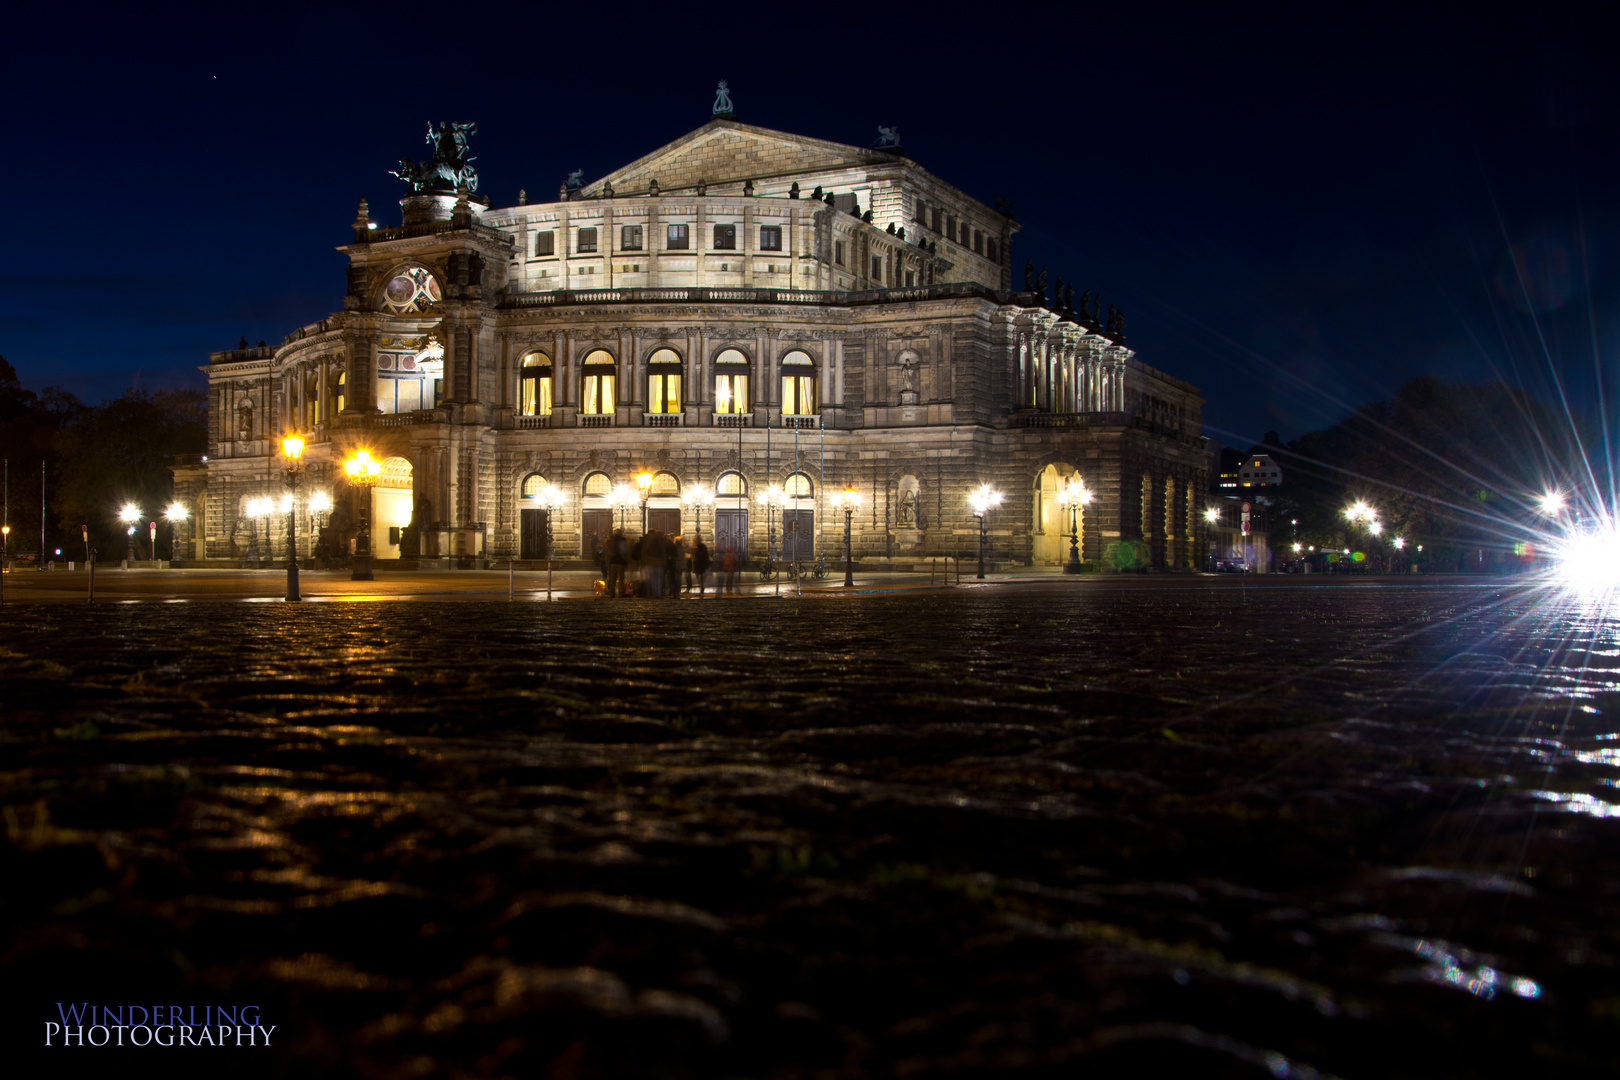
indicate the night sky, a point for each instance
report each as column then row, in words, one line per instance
column 1295, row 216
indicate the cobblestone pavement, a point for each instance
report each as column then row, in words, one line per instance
column 1106, row 827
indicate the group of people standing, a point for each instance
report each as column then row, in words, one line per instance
column 658, row 561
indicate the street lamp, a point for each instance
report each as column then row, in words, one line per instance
column 319, row 503
column 852, row 499
column 174, row 515
column 551, row 499
column 622, row 497
column 129, row 515
column 771, row 498
column 644, row 482
column 362, row 470
column 983, row 500
column 292, row 448
column 698, row 496
column 5, row 557
column 1073, row 495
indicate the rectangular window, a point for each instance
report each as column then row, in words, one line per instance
column 919, row 215
column 385, row 395
column 950, row 227
column 731, row 393
column 978, row 241
column 630, row 238
column 934, row 217
column 534, row 397
column 770, row 238
column 877, row 268
column 587, row 241
column 545, row 242
column 725, row 237
column 967, row 235
column 838, row 252
column 678, row 239
column 990, row 251
column 664, row 391
column 798, row 395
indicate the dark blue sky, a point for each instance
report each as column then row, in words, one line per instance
column 1296, row 215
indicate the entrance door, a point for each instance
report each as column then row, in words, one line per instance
column 666, row 520
column 532, row 534
column 798, row 535
column 731, row 531
column 596, row 526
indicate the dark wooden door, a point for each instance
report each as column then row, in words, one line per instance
column 532, row 534
column 798, row 535
column 596, row 526
column 731, row 531
column 665, row 520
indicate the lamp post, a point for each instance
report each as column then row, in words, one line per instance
column 362, row 470
column 851, row 499
column 129, row 515
column 174, row 515
column 697, row 497
column 644, row 482
column 622, row 497
column 983, row 500
column 292, row 448
column 771, row 498
column 1073, row 495
column 319, row 503
column 551, row 498
column 5, row 557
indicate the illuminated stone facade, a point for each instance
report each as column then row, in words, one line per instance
column 698, row 314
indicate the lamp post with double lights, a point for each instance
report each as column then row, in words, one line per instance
column 174, row 515
column 697, row 496
column 129, row 515
column 851, row 499
column 644, row 483
column 1072, row 495
column 551, row 500
column 771, row 498
column 292, row 449
column 622, row 497
column 984, row 499
column 362, row 471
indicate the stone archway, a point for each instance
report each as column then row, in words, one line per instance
column 1051, row 521
column 391, row 505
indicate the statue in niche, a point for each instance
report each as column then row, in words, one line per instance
column 908, row 510
column 722, row 100
column 908, row 380
column 244, row 422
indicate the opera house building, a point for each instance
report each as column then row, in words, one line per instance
column 760, row 322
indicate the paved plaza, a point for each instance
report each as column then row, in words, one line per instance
column 1044, row 826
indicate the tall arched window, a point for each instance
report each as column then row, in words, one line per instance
column 312, row 401
column 731, row 383
column 666, row 484
column 597, row 395
column 598, row 483
column 534, row 385
column 798, row 385
column 664, row 382
column 341, row 389
column 731, row 483
column 533, row 485
column 798, row 486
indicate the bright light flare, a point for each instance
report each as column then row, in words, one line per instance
column 1375, row 528
column 983, row 499
column 129, row 514
column 1212, row 515
column 1552, row 502
column 176, row 512
column 1589, row 560
column 320, row 502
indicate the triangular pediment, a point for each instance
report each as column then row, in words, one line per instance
column 724, row 151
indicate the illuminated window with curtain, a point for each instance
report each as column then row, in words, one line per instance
column 731, row 383
column 312, row 401
column 798, row 385
column 534, row 385
column 341, row 389
column 597, row 391
column 664, row 382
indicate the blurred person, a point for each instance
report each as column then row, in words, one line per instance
column 699, row 566
column 617, row 557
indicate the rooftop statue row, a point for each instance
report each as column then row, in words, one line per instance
column 451, row 164
column 1063, row 302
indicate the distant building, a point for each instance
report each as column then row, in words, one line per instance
column 739, row 312
column 1239, row 534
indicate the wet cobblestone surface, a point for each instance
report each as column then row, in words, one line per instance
column 1104, row 827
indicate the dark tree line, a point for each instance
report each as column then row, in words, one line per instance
column 96, row 458
column 1456, row 467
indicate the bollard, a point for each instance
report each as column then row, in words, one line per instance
column 509, row 578
column 92, row 567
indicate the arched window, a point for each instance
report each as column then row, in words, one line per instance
column 341, row 391
column 597, row 395
column 665, row 484
column 533, row 485
column 798, row 486
column 312, row 401
column 731, row 483
column 598, row 483
column 731, row 383
column 664, row 382
column 798, row 385
column 534, row 385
